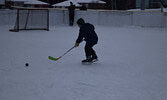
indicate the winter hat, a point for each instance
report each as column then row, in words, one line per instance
column 80, row 21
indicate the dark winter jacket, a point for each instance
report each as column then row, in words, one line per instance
column 87, row 32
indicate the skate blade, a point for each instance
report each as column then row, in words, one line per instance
column 88, row 63
column 94, row 60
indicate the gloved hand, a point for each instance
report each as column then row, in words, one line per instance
column 76, row 44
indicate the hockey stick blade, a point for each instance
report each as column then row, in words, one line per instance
column 55, row 59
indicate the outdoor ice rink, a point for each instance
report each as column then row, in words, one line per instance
column 132, row 65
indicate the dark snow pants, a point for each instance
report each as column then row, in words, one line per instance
column 89, row 51
column 71, row 19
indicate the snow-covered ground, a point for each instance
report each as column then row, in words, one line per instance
column 132, row 65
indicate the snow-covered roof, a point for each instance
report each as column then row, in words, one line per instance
column 67, row 3
column 35, row 2
column 75, row 2
column 31, row 1
column 21, row 0
column 90, row 1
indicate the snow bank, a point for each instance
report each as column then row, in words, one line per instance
column 98, row 17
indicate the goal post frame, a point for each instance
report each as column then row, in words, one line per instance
column 17, row 23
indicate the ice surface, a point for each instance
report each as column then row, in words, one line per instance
column 132, row 65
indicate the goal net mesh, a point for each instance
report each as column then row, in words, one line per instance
column 31, row 19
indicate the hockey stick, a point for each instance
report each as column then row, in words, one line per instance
column 55, row 59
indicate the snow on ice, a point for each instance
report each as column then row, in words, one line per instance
column 132, row 65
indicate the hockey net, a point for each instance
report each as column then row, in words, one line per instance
column 31, row 19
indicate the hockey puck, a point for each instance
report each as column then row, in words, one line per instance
column 26, row 64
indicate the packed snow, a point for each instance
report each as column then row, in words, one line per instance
column 132, row 65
